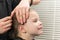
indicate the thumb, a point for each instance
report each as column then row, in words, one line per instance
column 12, row 13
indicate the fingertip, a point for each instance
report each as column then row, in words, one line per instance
column 21, row 22
column 12, row 13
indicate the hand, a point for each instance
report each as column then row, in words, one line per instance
column 5, row 24
column 22, row 11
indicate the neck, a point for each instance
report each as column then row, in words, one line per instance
column 26, row 36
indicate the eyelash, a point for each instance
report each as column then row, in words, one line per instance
column 35, row 21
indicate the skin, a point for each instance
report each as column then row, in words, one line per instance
column 5, row 24
column 32, row 28
column 22, row 10
column 22, row 14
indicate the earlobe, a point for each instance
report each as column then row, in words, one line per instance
column 21, row 28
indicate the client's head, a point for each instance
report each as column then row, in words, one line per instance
column 32, row 27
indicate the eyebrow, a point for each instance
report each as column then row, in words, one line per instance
column 34, row 18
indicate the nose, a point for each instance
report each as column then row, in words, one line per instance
column 40, row 23
column 40, row 26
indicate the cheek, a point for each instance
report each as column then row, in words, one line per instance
column 31, row 27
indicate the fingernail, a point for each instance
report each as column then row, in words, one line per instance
column 24, row 20
column 21, row 22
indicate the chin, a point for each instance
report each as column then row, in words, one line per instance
column 39, row 33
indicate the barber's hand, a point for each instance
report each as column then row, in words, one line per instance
column 5, row 24
column 22, row 11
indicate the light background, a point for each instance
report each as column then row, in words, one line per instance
column 49, row 12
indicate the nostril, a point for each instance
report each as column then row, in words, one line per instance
column 40, row 24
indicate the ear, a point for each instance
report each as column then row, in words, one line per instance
column 21, row 28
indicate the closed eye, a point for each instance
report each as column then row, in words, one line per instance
column 34, row 20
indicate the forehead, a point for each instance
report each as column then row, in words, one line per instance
column 33, row 15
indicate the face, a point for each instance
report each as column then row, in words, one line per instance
column 33, row 25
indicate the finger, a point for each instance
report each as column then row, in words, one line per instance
column 23, row 12
column 17, row 16
column 12, row 13
column 7, row 22
column 6, row 29
column 20, row 15
column 27, row 13
column 7, row 26
column 5, row 19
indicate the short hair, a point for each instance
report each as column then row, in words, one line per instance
column 13, row 33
